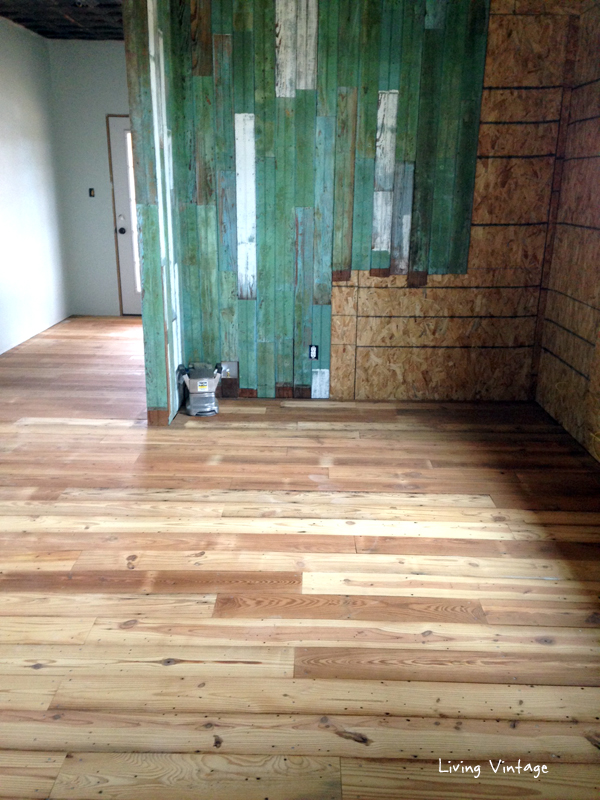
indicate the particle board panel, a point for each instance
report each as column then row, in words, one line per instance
column 576, row 251
column 521, row 105
column 525, row 51
column 343, row 369
column 405, row 780
column 311, row 696
column 480, row 276
column 522, row 139
column 578, row 318
column 583, row 139
column 338, row 663
column 443, row 373
column 343, row 330
column 476, row 332
column 568, row 347
column 178, row 776
column 560, row 390
column 440, row 302
column 578, row 204
column 589, row 42
column 585, row 101
column 512, row 190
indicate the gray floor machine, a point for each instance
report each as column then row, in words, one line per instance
column 201, row 381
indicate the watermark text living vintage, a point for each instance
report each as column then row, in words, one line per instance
column 498, row 767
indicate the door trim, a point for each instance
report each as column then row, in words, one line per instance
column 110, row 169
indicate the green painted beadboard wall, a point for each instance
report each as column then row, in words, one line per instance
column 309, row 138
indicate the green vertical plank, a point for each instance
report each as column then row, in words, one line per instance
column 209, row 282
column 191, row 270
column 385, row 45
column 243, row 15
column 380, row 261
column 321, row 335
column 445, row 167
column 265, row 197
column 152, row 308
column 243, row 72
column 348, row 43
column 303, row 296
column 471, row 90
column 227, row 231
column 344, row 178
column 285, row 145
column 431, row 74
column 435, row 14
column 228, row 320
column 410, row 80
column 327, row 56
column 395, row 60
column 224, row 127
column 222, row 16
column 204, row 97
column 201, row 39
column 306, row 107
column 362, row 225
column 324, row 191
column 247, row 344
column 368, row 82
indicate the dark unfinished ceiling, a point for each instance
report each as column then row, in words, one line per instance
column 67, row 19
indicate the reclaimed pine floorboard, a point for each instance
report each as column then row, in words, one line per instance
column 294, row 599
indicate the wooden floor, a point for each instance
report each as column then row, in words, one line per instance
column 294, row 600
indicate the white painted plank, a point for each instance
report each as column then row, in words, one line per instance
column 285, row 48
column 306, row 75
column 320, row 384
column 382, row 220
column 385, row 148
column 245, row 193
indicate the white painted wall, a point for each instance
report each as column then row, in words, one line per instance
column 89, row 81
column 32, row 295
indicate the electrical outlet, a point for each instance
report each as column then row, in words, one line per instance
column 313, row 352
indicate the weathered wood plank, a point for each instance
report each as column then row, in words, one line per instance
column 344, row 178
column 285, row 47
column 305, row 148
column 306, row 44
column 323, row 199
column 201, row 39
column 245, row 188
column 303, row 296
column 327, row 58
column 224, row 115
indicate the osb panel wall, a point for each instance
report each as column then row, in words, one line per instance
column 569, row 376
column 472, row 336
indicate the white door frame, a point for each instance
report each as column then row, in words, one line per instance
column 124, row 217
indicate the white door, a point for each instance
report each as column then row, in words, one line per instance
column 121, row 157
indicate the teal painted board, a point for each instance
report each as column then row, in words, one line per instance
column 223, row 76
column 410, row 80
column 327, row 56
column 228, row 321
column 243, row 72
column 348, row 43
column 201, row 39
column 306, row 107
column 153, row 308
column 368, row 81
column 222, row 16
column 435, row 13
column 265, row 198
column 395, row 58
column 204, row 97
column 264, row 77
column 243, row 15
column 321, row 335
column 227, row 220
column 303, row 296
column 380, row 261
column 247, row 344
column 362, row 225
column 386, row 43
column 344, row 178
column 448, row 133
column 426, row 149
column 471, row 91
column 324, row 191
column 285, row 238
column 190, row 282
column 402, row 217
column 135, row 24
column 209, row 282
